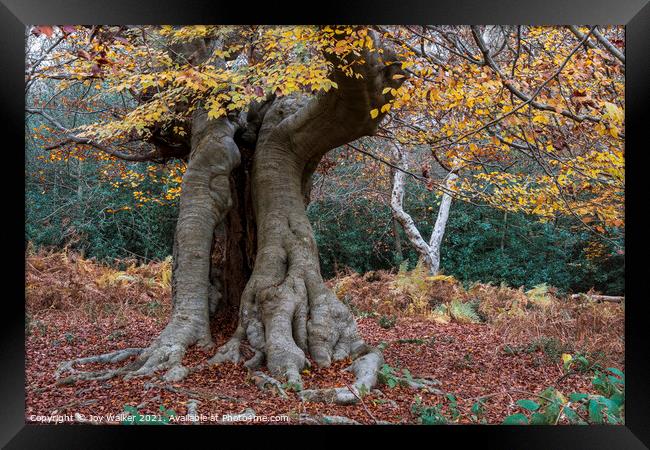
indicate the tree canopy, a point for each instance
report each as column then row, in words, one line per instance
column 531, row 117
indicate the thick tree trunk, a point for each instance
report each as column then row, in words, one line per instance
column 239, row 247
column 205, row 199
column 286, row 311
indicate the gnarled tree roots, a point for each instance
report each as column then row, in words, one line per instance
column 165, row 353
column 365, row 370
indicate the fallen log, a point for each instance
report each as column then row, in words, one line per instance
column 599, row 298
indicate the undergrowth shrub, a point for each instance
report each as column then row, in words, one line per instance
column 538, row 319
column 387, row 322
column 67, row 281
column 479, row 243
column 580, row 408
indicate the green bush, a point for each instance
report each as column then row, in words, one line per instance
column 387, row 322
column 580, row 408
column 59, row 215
column 480, row 244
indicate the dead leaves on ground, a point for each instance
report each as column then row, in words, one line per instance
column 468, row 359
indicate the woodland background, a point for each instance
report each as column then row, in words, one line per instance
column 69, row 205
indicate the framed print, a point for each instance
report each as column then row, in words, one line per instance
column 410, row 217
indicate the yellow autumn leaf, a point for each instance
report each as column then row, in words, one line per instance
column 614, row 113
column 374, row 113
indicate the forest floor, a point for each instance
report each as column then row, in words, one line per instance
column 495, row 344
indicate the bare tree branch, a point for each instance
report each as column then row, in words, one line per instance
column 71, row 137
column 489, row 61
column 602, row 39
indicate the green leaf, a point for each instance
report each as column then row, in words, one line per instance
column 131, row 409
column 530, row 405
column 618, row 399
column 616, row 372
column 516, row 419
column 612, row 405
column 538, row 419
column 595, row 412
column 477, row 408
column 615, row 380
column 573, row 417
column 577, row 396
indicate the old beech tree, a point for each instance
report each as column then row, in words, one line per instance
column 250, row 167
column 252, row 110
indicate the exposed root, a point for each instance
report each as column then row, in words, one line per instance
column 365, row 368
column 151, row 360
column 423, row 384
column 106, row 358
column 264, row 381
column 165, row 353
column 227, row 352
column 144, row 403
column 161, row 355
column 230, row 351
column 256, row 360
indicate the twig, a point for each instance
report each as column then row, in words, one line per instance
column 362, row 402
column 528, row 101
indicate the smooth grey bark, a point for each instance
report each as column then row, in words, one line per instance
column 398, row 241
column 204, row 202
column 428, row 251
column 435, row 242
column 286, row 311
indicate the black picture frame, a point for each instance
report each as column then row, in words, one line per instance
column 15, row 15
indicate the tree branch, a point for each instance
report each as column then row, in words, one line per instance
column 602, row 39
column 71, row 137
column 528, row 100
column 489, row 61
